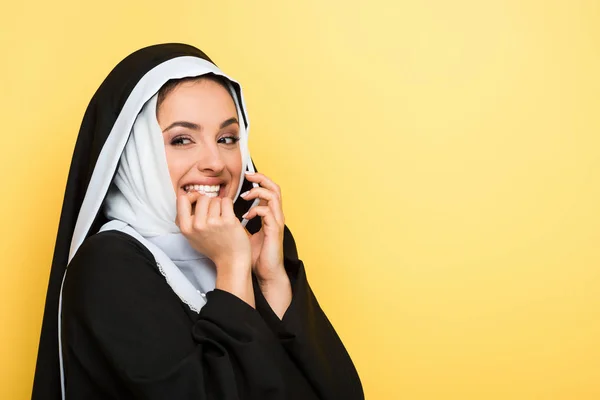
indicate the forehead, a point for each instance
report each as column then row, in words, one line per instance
column 197, row 99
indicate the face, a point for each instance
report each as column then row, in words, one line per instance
column 201, row 135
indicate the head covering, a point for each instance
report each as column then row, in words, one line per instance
column 141, row 193
column 104, row 132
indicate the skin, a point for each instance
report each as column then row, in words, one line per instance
column 200, row 131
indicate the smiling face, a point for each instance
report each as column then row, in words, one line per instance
column 201, row 131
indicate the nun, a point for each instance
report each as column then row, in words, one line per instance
column 174, row 275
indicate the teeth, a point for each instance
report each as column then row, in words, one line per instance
column 204, row 189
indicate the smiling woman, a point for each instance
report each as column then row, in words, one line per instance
column 179, row 286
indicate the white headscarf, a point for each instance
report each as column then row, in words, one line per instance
column 142, row 196
column 142, row 193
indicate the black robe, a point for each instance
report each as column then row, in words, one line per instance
column 126, row 335
column 125, row 332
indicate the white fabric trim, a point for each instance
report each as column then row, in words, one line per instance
column 60, row 354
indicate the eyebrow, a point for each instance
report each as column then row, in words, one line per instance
column 230, row 121
column 196, row 127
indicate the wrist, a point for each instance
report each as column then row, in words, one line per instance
column 276, row 278
column 277, row 291
column 237, row 280
column 233, row 265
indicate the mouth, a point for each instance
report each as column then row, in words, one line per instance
column 206, row 190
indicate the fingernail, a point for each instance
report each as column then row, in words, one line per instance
column 245, row 215
column 245, row 194
column 249, row 173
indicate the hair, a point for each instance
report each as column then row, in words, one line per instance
column 172, row 84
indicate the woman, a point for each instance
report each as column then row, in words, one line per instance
column 168, row 294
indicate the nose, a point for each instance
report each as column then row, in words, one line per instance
column 210, row 160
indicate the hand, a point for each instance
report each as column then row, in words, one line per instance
column 213, row 229
column 267, row 244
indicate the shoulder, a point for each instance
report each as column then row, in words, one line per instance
column 107, row 264
column 110, row 251
column 114, row 293
column 111, row 245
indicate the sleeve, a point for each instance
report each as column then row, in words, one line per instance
column 308, row 336
column 114, row 292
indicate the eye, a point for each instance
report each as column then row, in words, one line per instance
column 229, row 140
column 180, row 141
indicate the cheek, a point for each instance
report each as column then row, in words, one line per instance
column 176, row 165
column 233, row 160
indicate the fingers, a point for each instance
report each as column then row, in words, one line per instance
column 201, row 212
column 193, row 198
column 185, row 210
column 269, row 198
column 214, row 209
column 227, row 208
column 265, row 182
column 267, row 215
column 192, row 216
column 262, row 193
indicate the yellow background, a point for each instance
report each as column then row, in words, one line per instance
column 440, row 162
